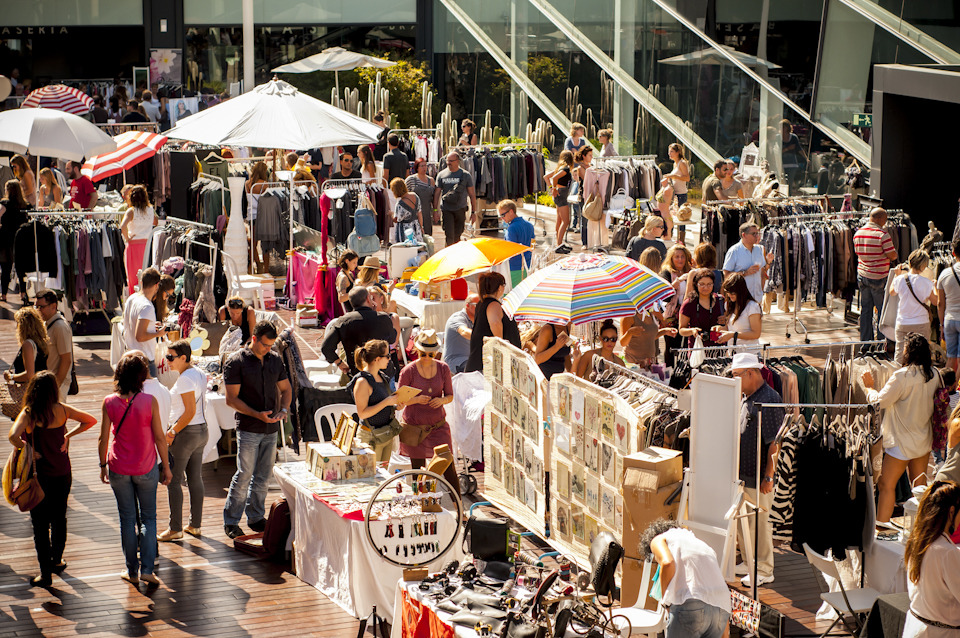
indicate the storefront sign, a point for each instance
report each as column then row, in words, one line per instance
column 12, row 31
column 864, row 120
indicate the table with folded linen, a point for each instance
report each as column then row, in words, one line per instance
column 329, row 543
column 432, row 315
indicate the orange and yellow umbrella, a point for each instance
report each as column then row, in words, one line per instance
column 466, row 257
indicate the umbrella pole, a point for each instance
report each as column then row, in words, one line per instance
column 336, row 76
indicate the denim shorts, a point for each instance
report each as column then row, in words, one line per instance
column 951, row 332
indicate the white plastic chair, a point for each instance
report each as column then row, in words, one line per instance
column 643, row 622
column 332, row 413
column 852, row 602
column 246, row 286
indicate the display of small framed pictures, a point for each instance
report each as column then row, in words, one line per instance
column 496, row 461
column 562, row 520
column 537, row 473
column 592, row 498
column 498, row 365
column 591, row 529
column 576, row 405
column 607, row 418
column 518, row 484
column 562, row 481
column 563, row 399
column 508, row 478
column 522, row 423
column 331, row 468
column 561, row 437
column 617, row 469
column 497, row 400
column 516, row 367
column 527, row 458
column 591, row 414
column 592, row 453
column 533, row 425
column 578, row 489
column 608, row 465
column 531, row 495
column 518, row 448
column 607, row 505
column 578, row 524
column 577, row 441
column 496, row 427
column 621, row 434
column 508, row 441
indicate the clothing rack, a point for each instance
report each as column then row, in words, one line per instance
column 627, row 157
column 492, row 146
column 599, row 363
column 77, row 215
column 413, row 130
column 841, row 406
column 212, row 247
column 186, row 222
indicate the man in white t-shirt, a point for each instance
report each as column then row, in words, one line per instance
column 186, row 436
column 140, row 325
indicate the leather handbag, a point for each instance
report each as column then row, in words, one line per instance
column 29, row 493
column 11, row 399
column 383, row 434
column 593, row 209
column 414, row 435
column 486, row 538
column 605, row 555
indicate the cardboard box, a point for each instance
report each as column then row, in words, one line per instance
column 327, row 462
column 643, row 505
column 630, row 585
column 668, row 464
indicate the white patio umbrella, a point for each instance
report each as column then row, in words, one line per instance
column 275, row 115
column 334, row 59
column 52, row 133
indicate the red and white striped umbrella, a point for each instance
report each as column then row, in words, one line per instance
column 132, row 148
column 59, row 97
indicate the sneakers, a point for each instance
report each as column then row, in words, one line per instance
column 232, row 531
column 193, row 531
column 151, row 579
column 741, row 569
column 258, row 526
column 761, row 580
column 133, row 580
column 169, row 535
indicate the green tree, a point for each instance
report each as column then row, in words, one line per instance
column 403, row 80
column 544, row 70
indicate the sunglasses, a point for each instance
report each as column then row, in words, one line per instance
column 236, row 305
column 608, row 339
column 171, row 357
column 41, row 306
column 347, row 161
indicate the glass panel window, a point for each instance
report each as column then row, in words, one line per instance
column 56, row 13
column 282, row 12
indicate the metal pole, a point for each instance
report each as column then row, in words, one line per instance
column 756, row 512
column 248, row 46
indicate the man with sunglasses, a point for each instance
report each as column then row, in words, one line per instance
column 749, row 259
column 259, row 390
column 59, row 340
column 519, row 231
column 347, row 171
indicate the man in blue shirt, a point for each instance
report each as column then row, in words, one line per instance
column 456, row 335
column 519, row 231
column 747, row 257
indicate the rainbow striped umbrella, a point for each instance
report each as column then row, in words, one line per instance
column 132, row 148
column 586, row 287
column 60, row 98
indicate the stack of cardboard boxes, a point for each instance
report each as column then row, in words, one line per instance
column 651, row 489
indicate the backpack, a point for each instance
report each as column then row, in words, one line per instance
column 271, row 543
column 363, row 238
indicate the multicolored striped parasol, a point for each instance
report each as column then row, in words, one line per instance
column 587, row 287
column 132, row 148
column 60, row 98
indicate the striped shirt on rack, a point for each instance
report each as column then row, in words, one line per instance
column 872, row 244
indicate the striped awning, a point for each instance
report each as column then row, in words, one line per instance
column 60, row 98
column 587, row 287
column 132, row 148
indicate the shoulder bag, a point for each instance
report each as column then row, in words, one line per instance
column 931, row 313
column 593, row 208
column 486, row 538
column 29, row 493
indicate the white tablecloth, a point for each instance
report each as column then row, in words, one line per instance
column 432, row 314
column 884, row 567
column 220, row 417
column 334, row 555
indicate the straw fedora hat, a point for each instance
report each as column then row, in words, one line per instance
column 427, row 341
column 371, row 262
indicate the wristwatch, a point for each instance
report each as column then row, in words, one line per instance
column 768, row 479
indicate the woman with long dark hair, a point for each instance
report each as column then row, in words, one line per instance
column 702, row 309
column 907, row 401
column 347, row 264
column 131, row 439
column 42, row 423
column 28, row 181
column 13, row 215
column 744, row 317
column 559, row 181
column 490, row 319
column 136, row 226
column 608, row 341
column 933, row 565
column 167, row 286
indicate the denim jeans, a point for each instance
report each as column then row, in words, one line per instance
column 137, row 504
column 871, row 298
column 695, row 619
column 186, row 457
column 248, row 487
